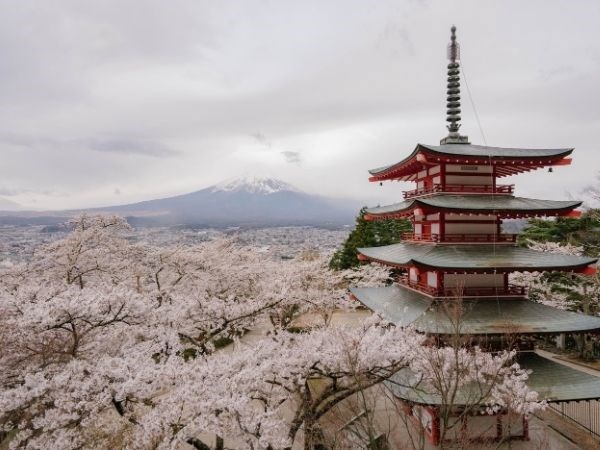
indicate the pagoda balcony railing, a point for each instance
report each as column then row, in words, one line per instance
column 465, row 188
column 461, row 238
column 475, row 291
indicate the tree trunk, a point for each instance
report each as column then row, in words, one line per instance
column 313, row 436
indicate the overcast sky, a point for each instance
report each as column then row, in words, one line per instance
column 109, row 102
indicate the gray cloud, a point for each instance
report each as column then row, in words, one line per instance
column 111, row 145
column 292, row 157
column 261, row 139
column 13, row 191
column 9, row 192
column 175, row 88
column 133, row 146
column 556, row 72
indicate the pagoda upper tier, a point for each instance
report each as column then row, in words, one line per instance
column 501, row 161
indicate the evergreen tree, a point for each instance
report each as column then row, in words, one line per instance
column 582, row 232
column 368, row 233
column 581, row 292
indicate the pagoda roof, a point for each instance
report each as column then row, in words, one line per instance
column 479, row 258
column 424, row 155
column 404, row 307
column 553, row 382
column 477, row 203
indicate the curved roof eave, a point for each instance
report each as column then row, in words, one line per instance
column 481, row 258
column 553, row 381
column 470, row 150
column 405, row 307
column 379, row 170
column 477, row 202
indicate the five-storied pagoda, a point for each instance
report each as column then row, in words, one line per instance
column 457, row 252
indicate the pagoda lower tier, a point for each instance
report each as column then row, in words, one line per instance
column 484, row 258
column 480, row 315
column 554, row 382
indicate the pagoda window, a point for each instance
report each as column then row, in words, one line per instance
column 486, row 224
column 474, row 180
column 432, row 279
column 469, row 169
column 471, row 228
column 457, row 281
column 492, row 218
column 418, row 229
column 413, row 274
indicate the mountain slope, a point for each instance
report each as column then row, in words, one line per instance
column 248, row 201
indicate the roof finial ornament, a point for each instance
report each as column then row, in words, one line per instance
column 453, row 93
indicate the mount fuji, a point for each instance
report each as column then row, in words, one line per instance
column 247, row 201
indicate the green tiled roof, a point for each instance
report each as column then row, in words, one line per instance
column 501, row 152
column 479, row 151
column 394, row 303
column 553, row 382
column 405, row 307
column 477, row 202
column 474, row 257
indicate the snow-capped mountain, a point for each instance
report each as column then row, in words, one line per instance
column 253, row 185
column 248, row 201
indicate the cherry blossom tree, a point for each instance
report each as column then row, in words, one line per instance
column 558, row 289
column 111, row 344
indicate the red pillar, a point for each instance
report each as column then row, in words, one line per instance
column 443, row 176
column 435, row 426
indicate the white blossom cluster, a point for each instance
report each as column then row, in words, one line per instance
column 563, row 291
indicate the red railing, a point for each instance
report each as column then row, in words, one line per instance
column 486, row 291
column 466, row 188
column 419, row 237
column 462, row 238
column 418, row 286
column 491, row 237
column 510, row 290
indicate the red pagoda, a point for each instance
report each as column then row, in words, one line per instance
column 457, row 250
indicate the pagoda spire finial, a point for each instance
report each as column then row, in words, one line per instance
column 453, row 93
